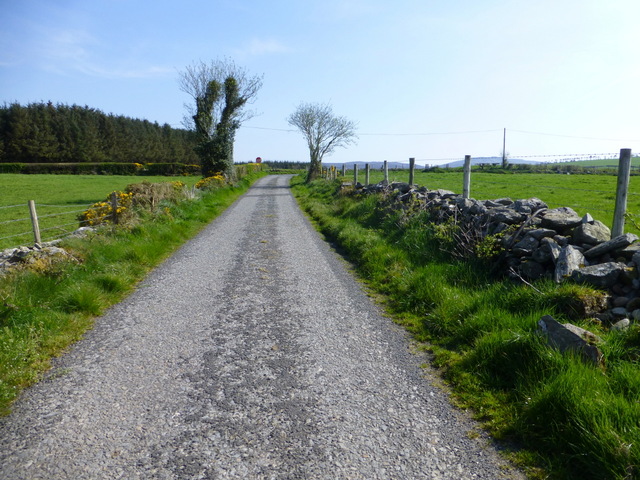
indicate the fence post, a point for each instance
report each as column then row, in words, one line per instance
column 114, row 207
column 466, row 184
column 412, row 169
column 367, row 171
column 34, row 221
column 386, row 173
column 624, row 167
column 355, row 174
column 344, row 170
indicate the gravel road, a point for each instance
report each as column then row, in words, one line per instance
column 251, row 354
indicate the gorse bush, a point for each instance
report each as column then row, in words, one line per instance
column 567, row 419
column 102, row 212
column 210, row 183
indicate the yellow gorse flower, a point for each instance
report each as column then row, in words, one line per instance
column 102, row 212
column 209, row 183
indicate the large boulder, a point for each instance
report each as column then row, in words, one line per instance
column 505, row 215
column 440, row 193
column 532, row 270
column 548, row 251
column 402, row 187
column 591, row 233
column 526, row 246
column 569, row 260
column 559, row 219
column 529, row 205
column 540, row 233
column 569, row 337
column 620, row 242
column 602, row 275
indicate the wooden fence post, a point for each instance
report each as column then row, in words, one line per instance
column 355, row 174
column 412, row 170
column 624, row 167
column 344, row 170
column 466, row 184
column 114, row 207
column 386, row 173
column 367, row 171
column 34, row 221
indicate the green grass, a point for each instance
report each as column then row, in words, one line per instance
column 594, row 194
column 70, row 193
column 561, row 418
column 42, row 312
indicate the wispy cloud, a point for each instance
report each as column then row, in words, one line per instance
column 69, row 51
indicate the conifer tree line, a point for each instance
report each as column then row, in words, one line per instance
column 48, row 133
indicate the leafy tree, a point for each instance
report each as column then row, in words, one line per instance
column 323, row 132
column 49, row 133
column 220, row 91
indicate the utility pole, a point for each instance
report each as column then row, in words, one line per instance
column 504, row 149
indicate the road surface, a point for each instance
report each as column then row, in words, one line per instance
column 252, row 353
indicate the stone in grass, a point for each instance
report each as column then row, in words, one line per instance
column 532, row 270
column 633, row 304
column 621, row 325
column 570, row 338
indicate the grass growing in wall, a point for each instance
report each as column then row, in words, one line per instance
column 43, row 311
column 568, row 420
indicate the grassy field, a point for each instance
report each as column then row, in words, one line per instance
column 635, row 162
column 565, row 418
column 59, row 199
column 594, row 194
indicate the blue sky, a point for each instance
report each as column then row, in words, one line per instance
column 426, row 79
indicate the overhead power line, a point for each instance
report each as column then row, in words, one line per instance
column 574, row 136
column 385, row 134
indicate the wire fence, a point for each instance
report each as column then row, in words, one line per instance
column 19, row 224
column 593, row 194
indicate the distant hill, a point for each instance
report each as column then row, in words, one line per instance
column 489, row 161
column 372, row 165
column 405, row 166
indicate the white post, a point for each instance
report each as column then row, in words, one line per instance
column 34, row 221
column 624, row 168
column 466, row 184
column 386, row 173
column 367, row 170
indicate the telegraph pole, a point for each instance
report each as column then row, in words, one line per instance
column 504, row 149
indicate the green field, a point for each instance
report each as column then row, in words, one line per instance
column 59, row 199
column 635, row 162
column 594, row 194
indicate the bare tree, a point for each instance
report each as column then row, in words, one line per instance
column 323, row 132
column 220, row 91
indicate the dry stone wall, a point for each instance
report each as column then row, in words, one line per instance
column 541, row 242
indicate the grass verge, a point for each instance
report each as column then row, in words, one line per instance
column 43, row 311
column 562, row 418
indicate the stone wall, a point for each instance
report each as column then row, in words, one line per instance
column 538, row 242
